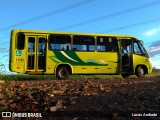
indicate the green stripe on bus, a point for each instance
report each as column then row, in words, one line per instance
column 72, row 58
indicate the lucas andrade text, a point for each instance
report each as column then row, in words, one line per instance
column 144, row 114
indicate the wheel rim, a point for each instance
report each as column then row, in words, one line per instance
column 141, row 71
column 62, row 73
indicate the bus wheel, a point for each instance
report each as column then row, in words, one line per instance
column 140, row 71
column 62, row 73
column 125, row 75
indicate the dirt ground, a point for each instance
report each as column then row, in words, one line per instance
column 128, row 99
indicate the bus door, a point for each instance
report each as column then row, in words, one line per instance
column 126, row 56
column 36, row 53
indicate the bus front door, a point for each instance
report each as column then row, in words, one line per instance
column 126, row 56
column 36, row 53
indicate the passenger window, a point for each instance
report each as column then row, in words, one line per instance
column 107, row 44
column 20, row 41
column 41, row 45
column 59, row 42
column 31, row 44
column 83, row 43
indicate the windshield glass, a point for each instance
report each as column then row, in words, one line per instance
column 139, row 49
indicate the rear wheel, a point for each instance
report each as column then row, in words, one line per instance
column 62, row 73
column 140, row 72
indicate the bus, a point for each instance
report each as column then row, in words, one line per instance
column 68, row 53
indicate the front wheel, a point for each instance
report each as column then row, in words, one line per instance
column 140, row 71
column 62, row 73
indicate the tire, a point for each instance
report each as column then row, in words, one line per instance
column 125, row 75
column 62, row 73
column 140, row 72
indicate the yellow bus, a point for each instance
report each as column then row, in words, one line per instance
column 68, row 53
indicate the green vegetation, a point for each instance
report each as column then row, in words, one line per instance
column 155, row 73
column 27, row 77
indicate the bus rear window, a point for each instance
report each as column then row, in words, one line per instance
column 20, row 41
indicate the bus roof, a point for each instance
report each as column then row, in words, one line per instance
column 72, row 33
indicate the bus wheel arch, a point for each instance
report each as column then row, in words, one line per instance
column 63, row 71
column 141, row 70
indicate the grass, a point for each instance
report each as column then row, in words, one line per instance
column 26, row 77
column 155, row 73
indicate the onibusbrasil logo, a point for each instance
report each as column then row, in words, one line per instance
column 13, row 114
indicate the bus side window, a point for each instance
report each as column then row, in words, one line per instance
column 20, row 41
column 83, row 43
column 113, row 45
column 107, row 44
column 101, row 44
column 59, row 42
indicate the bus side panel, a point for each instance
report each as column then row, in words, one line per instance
column 84, row 62
column 85, row 66
column 84, row 69
column 111, row 60
column 51, row 62
column 106, row 63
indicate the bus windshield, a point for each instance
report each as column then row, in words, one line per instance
column 139, row 49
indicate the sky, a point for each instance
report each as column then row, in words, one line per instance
column 138, row 18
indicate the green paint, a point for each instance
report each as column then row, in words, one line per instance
column 72, row 58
